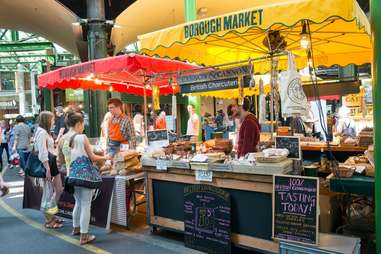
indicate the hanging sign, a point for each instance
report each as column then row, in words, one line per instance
column 210, row 86
column 156, row 97
column 295, row 208
column 218, row 74
column 207, row 219
column 215, row 80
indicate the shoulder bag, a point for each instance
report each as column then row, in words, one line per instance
column 83, row 173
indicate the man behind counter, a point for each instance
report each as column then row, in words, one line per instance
column 249, row 132
column 120, row 129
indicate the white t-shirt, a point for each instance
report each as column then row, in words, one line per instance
column 193, row 125
column 138, row 124
column 43, row 144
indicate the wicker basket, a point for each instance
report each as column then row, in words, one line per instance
column 344, row 171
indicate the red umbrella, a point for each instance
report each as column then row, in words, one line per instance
column 124, row 74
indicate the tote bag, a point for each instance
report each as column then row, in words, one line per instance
column 293, row 99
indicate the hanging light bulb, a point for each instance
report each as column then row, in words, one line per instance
column 304, row 38
column 111, row 89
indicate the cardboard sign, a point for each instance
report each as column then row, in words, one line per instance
column 295, row 209
column 204, row 175
column 207, row 219
column 162, row 165
column 292, row 144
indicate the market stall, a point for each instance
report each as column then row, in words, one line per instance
column 318, row 33
column 132, row 74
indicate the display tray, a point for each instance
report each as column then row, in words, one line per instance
column 282, row 167
column 179, row 164
column 148, row 162
column 199, row 166
column 262, row 159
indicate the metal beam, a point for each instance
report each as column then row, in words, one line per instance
column 25, row 46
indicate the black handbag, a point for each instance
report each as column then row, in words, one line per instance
column 69, row 188
column 34, row 166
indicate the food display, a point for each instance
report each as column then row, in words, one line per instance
column 366, row 137
column 123, row 163
column 361, row 163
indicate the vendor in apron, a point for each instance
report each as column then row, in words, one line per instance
column 121, row 129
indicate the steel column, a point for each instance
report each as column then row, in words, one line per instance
column 190, row 14
column 96, row 101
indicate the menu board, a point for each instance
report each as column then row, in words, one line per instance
column 295, row 212
column 292, row 144
column 207, row 219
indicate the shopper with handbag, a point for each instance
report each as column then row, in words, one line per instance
column 82, row 174
column 44, row 148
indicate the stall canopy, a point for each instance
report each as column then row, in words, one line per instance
column 339, row 33
column 124, row 74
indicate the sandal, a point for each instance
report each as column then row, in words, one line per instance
column 58, row 220
column 86, row 238
column 53, row 225
column 76, row 231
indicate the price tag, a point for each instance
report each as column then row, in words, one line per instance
column 162, row 165
column 204, row 175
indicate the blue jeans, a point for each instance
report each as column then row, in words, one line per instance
column 82, row 208
column 23, row 153
column 3, row 146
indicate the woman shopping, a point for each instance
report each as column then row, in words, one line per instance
column 44, row 147
column 74, row 150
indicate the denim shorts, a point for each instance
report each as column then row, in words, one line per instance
column 113, row 147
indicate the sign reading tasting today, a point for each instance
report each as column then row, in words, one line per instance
column 295, row 209
column 226, row 23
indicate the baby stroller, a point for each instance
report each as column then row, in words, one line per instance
column 15, row 163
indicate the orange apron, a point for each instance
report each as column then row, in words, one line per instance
column 114, row 132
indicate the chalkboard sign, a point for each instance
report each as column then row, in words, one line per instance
column 207, row 219
column 292, row 144
column 158, row 138
column 295, row 212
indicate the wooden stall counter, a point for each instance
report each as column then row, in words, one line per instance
column 251, row 201
column 322, row 147
column 313, row 150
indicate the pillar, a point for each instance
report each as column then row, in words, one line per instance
column 96, row 101
column 33, row 93
column 190, row 14
column 375, row 10
column 20, row 88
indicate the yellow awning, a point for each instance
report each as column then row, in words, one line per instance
column 340, row 33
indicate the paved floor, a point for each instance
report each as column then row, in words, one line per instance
column 21, row 231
